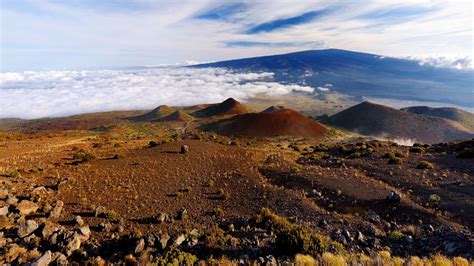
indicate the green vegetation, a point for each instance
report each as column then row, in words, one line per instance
column 299, row 239
column 175, row 257
column 83, row 156
column 424, row 165
column 417, row 150
column 395, row 160
column 223, row 194
column 395, row 235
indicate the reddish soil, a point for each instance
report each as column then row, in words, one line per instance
column 227, row 107
column 282, row 122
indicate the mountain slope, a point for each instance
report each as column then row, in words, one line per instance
column 281, row 122
column 362, row 74
column 155, row 114
column 177, row 116
column 378, row 120
column 227, row 107
column 462, row 117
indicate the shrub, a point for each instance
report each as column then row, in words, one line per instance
column 459, row 261
column 274, row 221
column 111, row 214
column 299, row 239
column 400, row 155
column 424, row 165
column 395, row 160
column 385, row 256
column 395, row 235
column 211, row 183
column 439, row 260
column 218, row 212
column 176, row 257
column 222, row 194
column 83, row 156
column 389, row 155
column 333, row 260
column 417, row 150
column 215, row 237
column 434, row 198
column 397, row 261
column 304, row 260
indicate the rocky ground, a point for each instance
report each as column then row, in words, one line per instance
column 135, row 195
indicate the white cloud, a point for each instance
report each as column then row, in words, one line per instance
column 58, row 93
column 46, row 35
column 445, row 62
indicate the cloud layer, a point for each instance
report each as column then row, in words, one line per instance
column 58, row 93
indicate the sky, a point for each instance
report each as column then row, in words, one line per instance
column 44, row 35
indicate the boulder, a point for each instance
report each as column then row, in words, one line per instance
column 44, row 260
column 56, row 212
column 26, row 228
column 139, row 246
column 394, row 196
column 4, row 211
column 26, row 207
column 184, row 149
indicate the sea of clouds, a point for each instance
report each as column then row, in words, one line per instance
column 58, row 93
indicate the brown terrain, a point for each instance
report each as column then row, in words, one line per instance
column 174, row 194
column 227, row 107
column 462, row 117
column 283, row 122
column 378, row 120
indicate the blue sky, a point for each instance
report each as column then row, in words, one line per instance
column 76, row 34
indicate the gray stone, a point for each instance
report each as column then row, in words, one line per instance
column 164, row 239
column 394, row 196
column 163, row 217
column 56, row 212
column 100, row 211
column 179, row 240
column 78, row 220
column 26, row 228
column 3, row 193
column 139, row 246
column 73, row 244
column 4, row 211
column 44, row 260
column 12, row 200
column 26, row 207
column 184, row 149
column 39, row 192
column 48, row 229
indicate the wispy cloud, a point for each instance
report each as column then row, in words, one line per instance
column 224, row 12
column 309, row 45
column 286, row 22
column 59, row 93
column 51, row 35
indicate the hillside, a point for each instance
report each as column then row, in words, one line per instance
column 378, row 120
column 462, row 117
column 227, row 107
column 281, row 122
column 177, row 116
column 362, row 74
column 155, row 114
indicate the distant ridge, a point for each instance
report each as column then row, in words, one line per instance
column 154, row 115
column 273, row 109
column 378, row 120
column 362, row 74
column 227, row 107
column 177, row 116
column 282, row 122
column 462, row 117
